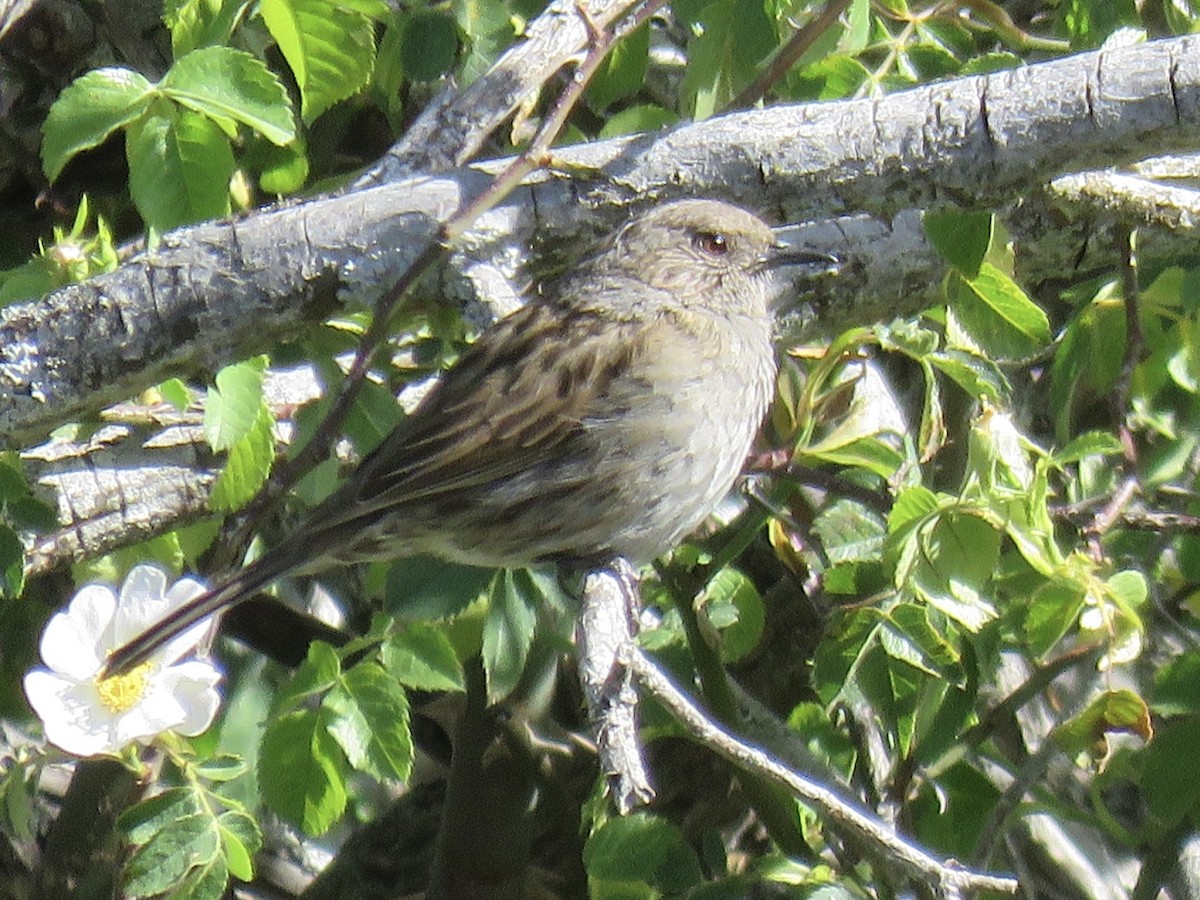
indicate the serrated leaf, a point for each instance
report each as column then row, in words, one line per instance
column 143, row 820
column 234, row 403
column 201, row 23
column 247, row 466
column 424, row 588
column 320, row 671
column 956, row 557
column 508, row 632
column 230, row 86
column 372, row 722
column 960, row 236
column 330, row 49
column 422, row 656
column 302, row 771
column 161, row 862
column 88, row 111
column 180, row 164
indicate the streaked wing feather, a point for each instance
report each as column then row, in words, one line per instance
column 507, row 406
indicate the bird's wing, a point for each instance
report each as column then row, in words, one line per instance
column 508, row 405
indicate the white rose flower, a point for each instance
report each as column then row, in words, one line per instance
column 85, row 715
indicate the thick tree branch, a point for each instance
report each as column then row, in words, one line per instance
column 216, row 292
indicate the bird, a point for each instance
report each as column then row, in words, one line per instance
column 605, row 418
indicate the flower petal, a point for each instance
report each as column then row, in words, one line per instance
column 194, row 684
column 142, row 602
column 181, row 592
column 71, row 712
column 73, row 643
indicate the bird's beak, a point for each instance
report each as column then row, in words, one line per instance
column 805, row 263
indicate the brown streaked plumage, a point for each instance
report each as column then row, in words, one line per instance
column 605, row 419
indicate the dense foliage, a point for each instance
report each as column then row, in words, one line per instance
column 966, row 598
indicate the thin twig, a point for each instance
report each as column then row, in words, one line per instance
column 947, row 878
column 788, row 54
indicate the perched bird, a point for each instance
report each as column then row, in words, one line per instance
column 606, row 418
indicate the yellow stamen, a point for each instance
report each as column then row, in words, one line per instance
column 119, row 693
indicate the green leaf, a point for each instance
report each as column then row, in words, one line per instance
column 422, row 656
column 12, row 563
column 320, row 672
column 1169, row 783
column 234, row 403
column 222, row 767
column 201, row 23
column 1053, row 610
column 1088, row 445
column 144, row 820
column 831, row 78
column 180, row 164
column 956, row 556
column 735, row 608
column 490, row 29
column 507, row 635
column 910, row 636
column 637, row 119
column 1177, row 686
column 204, row 882
column 962, row 237
column 424, row 588
column 1127, row 589
column 162, row 861
column 302, row 770
column 241, row 839
column 623, row 71
column 175, row 392
column 977, row 375
column 996, row 315
column 951, row 812
column 88, row 110
column 1113, row 710
column 372, row 722
column 728, row 39
column 330, row 49
column 283, row 170
column 428, row 45
column 247, row 466
column 372, row 417
column 642, row 848
column 229, row 86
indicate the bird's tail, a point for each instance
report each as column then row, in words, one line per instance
column 239, row 586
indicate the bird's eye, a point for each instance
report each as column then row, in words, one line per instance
column 712, row 243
